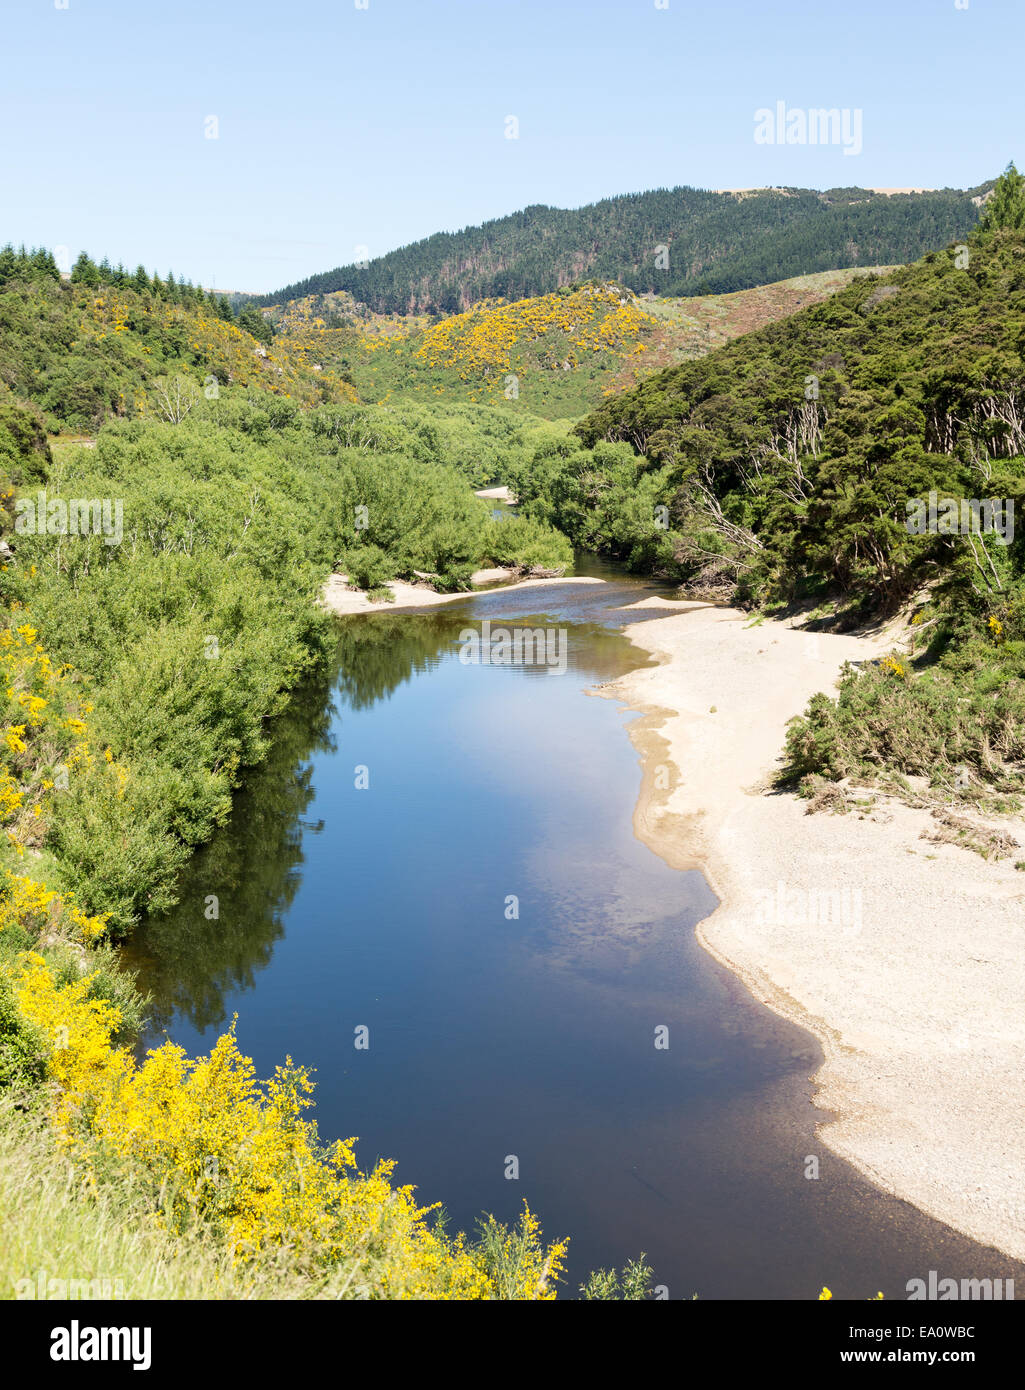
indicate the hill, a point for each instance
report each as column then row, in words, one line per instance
column 799, row 444
column 103, row 344
column 863, row 457
column 555, row 355
column 678, row 241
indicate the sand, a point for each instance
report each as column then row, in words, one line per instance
column 338, row 598
column 496, row 494
column 912, row 976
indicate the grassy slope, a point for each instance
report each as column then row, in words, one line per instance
column 567, row 350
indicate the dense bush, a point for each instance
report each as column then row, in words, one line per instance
column 22, row 1043
column 187, row 634
column 98, row 345
column 603, row 499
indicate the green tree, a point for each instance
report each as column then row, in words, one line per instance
column 1006, row 208
column 85, row 272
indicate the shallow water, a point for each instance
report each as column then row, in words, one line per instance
column 492, row 1035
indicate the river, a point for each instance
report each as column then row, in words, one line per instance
column 441, row 853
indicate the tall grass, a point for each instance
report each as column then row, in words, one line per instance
column 101, row 1240
column 69, row 1236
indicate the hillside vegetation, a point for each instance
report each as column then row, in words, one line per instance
column 678, row 241
column 105, row 344
column 796, row 465
column 556, row 355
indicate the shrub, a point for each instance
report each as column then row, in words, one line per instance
column 23, row 1049
column 237, row 1157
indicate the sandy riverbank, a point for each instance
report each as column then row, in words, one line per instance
column 915, row 988
column 339, row 598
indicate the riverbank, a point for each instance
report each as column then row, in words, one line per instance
column 340, row 599
column 913, row 974
column 497, row 494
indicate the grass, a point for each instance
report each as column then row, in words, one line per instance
column 103, row 1239
column 102, row 1242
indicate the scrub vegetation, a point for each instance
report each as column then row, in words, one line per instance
column 225, row 465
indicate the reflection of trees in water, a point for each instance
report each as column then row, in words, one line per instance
column 378, row 653
column 252, row 865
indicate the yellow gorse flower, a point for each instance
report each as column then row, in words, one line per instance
column 239, row 1153
column 42, row 728
column 31, row 905
column 481, row 341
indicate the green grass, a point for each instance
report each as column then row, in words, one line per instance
column 103, row 1243
column 104, row 1240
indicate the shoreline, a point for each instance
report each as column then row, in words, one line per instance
column 903, row 957
column 912, row 984
column 339, row 599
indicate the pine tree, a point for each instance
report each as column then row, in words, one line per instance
column 1006, row 206
column 43, row 263
column 85, row 272
column 8, row 263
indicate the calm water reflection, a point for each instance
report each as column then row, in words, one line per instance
column 531, row 1036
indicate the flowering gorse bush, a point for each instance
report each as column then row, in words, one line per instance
column 225, row 1150
column 31, row 906
column 44, row 737
column 484, row 339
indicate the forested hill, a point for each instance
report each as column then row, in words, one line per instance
column 677, row 241
column 105, row 343
column 863, row 456
column 790, row 454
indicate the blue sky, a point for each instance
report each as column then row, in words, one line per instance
column 341, row 127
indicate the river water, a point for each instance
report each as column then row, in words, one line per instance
column 442, row 853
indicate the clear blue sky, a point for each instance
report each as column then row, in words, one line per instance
column 342, row 127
